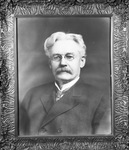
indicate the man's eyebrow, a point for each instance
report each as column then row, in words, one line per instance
column 56, row 54
column 69, row 53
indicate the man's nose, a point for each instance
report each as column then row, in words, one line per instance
column 63, row 61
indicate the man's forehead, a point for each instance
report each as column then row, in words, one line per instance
column 64, row 52
column 64, row 41
column 65, row 46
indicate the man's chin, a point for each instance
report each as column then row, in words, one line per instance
column 64, row 79
column 64, row 75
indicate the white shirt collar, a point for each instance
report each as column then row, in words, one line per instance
column 68, row 85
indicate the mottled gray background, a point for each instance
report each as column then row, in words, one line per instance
column 33, row 66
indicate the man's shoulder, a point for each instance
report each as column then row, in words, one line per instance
column 95, row 96
column 93, row 93
column 88, row 88
column 41, row 89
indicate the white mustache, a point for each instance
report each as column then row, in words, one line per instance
column 63, row 70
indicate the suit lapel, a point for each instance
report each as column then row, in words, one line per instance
column 66, row 103
column 48, row 98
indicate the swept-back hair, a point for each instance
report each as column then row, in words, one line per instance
column 52, row 39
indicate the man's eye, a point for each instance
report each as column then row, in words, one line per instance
column 70, row 57
column 56, row 57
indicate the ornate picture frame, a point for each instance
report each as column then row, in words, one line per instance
column 119, row 11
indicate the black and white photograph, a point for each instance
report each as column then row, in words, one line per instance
column 64, row 76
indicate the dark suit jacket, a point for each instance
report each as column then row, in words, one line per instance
column 81, row 111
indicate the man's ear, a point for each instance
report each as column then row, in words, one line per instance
column 83, row 61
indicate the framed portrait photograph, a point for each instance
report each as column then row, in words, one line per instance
column 64, row 75
column 35, row 72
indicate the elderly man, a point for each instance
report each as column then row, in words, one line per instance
column 66, row 106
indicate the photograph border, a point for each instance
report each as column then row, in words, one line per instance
column 119, row 11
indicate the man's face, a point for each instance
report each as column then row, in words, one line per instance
column 66, row 61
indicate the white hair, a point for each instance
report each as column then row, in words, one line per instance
column 50, row 41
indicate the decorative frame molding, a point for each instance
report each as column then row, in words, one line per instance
column 120, row 12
